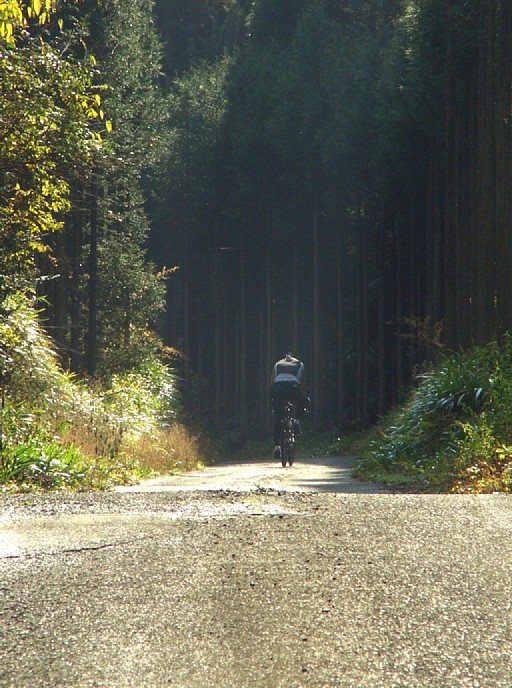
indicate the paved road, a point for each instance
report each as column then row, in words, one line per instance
column 282, row 578
column 319, row 474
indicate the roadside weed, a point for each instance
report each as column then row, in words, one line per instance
column 454, row 431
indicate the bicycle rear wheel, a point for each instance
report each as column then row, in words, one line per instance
column 291, row 454
column 284, row 451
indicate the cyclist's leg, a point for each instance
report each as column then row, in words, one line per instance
column 278, row 422
column 298, row 407
column 278, row 403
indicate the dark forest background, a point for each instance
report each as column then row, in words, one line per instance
column 332, row 176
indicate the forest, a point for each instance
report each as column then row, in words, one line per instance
column 338, row 183
column 194, row 187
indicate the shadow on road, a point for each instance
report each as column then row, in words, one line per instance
column 308, row 474
column 311, row 474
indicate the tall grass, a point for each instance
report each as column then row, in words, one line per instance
column 171, row 450
column 455, row 431
column 59, row 432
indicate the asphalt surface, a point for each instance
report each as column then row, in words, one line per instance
column 314, row 580
column 316, row 474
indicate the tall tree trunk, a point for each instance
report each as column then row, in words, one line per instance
column 201, row 307
column 341, row 375
column 474, row 224
column 398, row 313
column 242, row 323
column 217, row 324
column 486, row 245
column 381, row 336
column 413, row 274
column 295, row 298
column 92, row 332
column 76, row 255
column 362, row 319
column 186, row 329
column 461, row 226
column 450, row 221
column 317, row 324
column 504, row 168
column 269, row 315
column 58, row 297
column 434, row 231
column 264, row 361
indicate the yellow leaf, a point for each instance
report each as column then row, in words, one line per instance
column 36, row 6
column 108, row 126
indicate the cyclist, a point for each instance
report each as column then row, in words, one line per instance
column 287, row 383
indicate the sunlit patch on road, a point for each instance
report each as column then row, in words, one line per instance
column 9, row 545
column 88, row 532
column 308, row 475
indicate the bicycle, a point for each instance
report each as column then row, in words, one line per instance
column 288, row 436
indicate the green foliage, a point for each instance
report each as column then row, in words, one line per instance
column 129, row 292
column 199, row 30
column 144, row 399
column 454, row 431
column 483, row 463
column 29, row 454
column 57, row 432
column 16, row 13
column 28, row 363
column 45, row 139
column 131, row 69
column 41, row 463
column 197, row 104
column 131, row 299
column 274, row 20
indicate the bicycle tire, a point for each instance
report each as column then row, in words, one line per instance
column 291, row 454
column 288, row 438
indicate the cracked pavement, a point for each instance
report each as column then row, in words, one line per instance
column 261, row 584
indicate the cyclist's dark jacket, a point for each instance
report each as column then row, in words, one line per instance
column 288, row 372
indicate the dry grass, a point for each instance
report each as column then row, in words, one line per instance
column 94, row 440
column 173, row 450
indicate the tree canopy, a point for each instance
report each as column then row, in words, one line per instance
column 329, row 176
column 359, row 179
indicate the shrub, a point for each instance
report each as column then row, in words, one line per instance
column 29, row 455
column 484, row 465
column 169, row 450
column 57, row 431
column 454, row 425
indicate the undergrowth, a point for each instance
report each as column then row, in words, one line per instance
column 59, row 432
column 455, row 431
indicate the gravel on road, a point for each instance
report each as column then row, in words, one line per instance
column 256, row 589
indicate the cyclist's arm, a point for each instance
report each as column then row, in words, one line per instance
column 302, row 379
